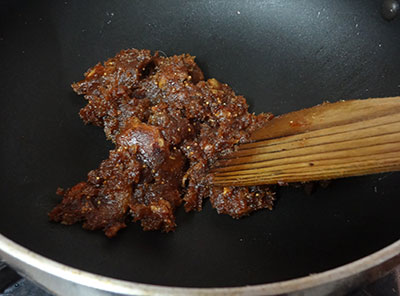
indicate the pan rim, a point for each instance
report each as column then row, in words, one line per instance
column 99, row 282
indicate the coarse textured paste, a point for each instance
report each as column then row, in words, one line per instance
column 169, row 125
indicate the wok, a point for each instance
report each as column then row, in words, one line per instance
column 282, row 55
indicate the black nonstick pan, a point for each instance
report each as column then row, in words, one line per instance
column 281, row 55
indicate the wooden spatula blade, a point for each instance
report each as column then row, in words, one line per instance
column 343, row 139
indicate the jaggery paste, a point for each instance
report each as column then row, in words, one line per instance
column 169, row 125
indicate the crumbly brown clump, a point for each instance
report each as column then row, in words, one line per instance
column 169, row 125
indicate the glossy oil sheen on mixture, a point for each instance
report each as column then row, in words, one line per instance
column 169, row 125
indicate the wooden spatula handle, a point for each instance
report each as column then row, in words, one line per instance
column 343, row 139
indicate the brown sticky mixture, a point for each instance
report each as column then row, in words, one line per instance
column 169, row 125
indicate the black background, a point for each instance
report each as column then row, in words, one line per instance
column 282, row 55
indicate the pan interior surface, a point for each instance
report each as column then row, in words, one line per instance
column 281, row 55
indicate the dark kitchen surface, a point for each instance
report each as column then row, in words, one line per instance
column 282, row 55
column 11, row 284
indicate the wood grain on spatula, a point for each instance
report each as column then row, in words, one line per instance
column 331, row 140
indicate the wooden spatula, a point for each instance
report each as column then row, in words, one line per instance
column 343, row 139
